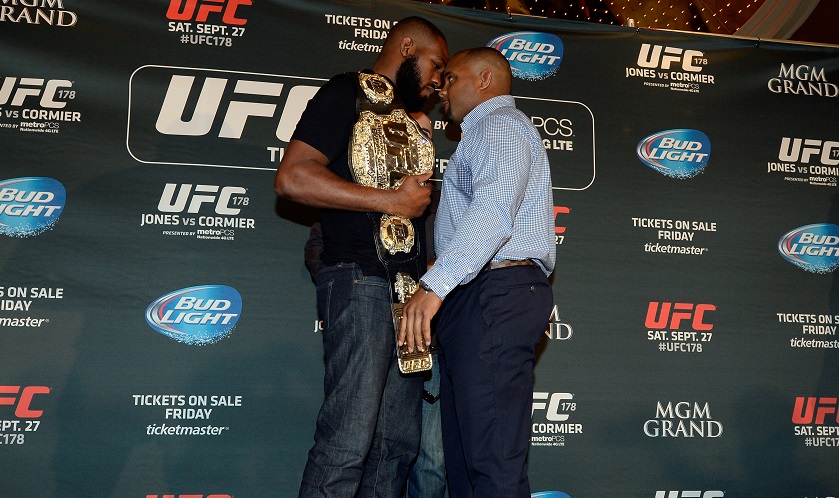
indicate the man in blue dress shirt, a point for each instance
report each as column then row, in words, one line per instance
column 495, row 251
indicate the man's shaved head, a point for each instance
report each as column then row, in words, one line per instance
column 489, row 58
column 421, row 30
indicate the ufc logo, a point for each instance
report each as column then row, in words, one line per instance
column 792, row 151
column 188, row 496
column 651, row 56
column 398, row 147
column 557, row 402
column 188, row 10
column 23, row 404
column 659, row 316
column 192, row 200
column 689, row 494
column 812, row 410
column 33, row 88
column 557, row 211
column 170, row 120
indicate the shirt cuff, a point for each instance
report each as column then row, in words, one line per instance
column 439, row 282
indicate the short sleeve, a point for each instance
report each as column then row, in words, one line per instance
column 331, row 113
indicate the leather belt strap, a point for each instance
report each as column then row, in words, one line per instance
column 507, row 263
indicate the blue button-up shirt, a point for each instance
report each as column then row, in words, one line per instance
column 497, row 201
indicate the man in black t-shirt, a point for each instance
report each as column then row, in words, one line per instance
column 367, row 431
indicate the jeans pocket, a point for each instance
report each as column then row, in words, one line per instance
column 323, row 293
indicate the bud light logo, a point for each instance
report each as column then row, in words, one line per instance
column 814, row 248
column 533, row 56
column 196, row 315
column 550, row 494
column 679, row 154
column 29, row 206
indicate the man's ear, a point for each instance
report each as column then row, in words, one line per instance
column 406, row 47
column 486, row 79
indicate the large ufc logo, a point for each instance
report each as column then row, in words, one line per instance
column 651, row 56
column 659, row 315
column 812, row 410
column 23, row 404
column 188, row 10
column 792, row 151
column 170, row 121
column 16, row 95
column 201, row 194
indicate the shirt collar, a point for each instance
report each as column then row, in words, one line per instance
column 484, row 108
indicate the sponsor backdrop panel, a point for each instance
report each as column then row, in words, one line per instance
column 160, row 332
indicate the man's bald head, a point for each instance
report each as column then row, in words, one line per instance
column 420, row 30
column 472, row 77
column 486, row 58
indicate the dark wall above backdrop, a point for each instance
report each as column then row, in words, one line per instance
column 159, row 327
column 798, row 20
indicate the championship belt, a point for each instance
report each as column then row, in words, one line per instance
column 386, row 146
column 419, row 360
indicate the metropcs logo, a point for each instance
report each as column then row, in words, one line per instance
column 533, row 56
column 50, row 12
column 196, row 315
column 678, row 153
column 208, row 117
column 30, row 205
column 814, row 248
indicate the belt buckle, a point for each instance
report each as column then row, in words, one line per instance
column 409, row 362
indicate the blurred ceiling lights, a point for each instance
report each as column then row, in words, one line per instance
column 776, row 19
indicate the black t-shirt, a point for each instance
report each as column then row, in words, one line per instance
column 326, row 125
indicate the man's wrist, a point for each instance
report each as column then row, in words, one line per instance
column 424, row 286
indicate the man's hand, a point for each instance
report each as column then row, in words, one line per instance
column 415, row 328
column 412, row 196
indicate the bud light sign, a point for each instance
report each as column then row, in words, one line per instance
column 814, row 248
column 29, row 206
column 677, row 153
column 196, row 315
column 533, row 56
column 550, row 494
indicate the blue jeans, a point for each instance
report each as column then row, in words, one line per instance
column 367, row 431
column 428, row 475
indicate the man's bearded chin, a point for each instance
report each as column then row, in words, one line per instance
column 409, row 85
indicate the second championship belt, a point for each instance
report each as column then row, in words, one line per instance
column 386, row 146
